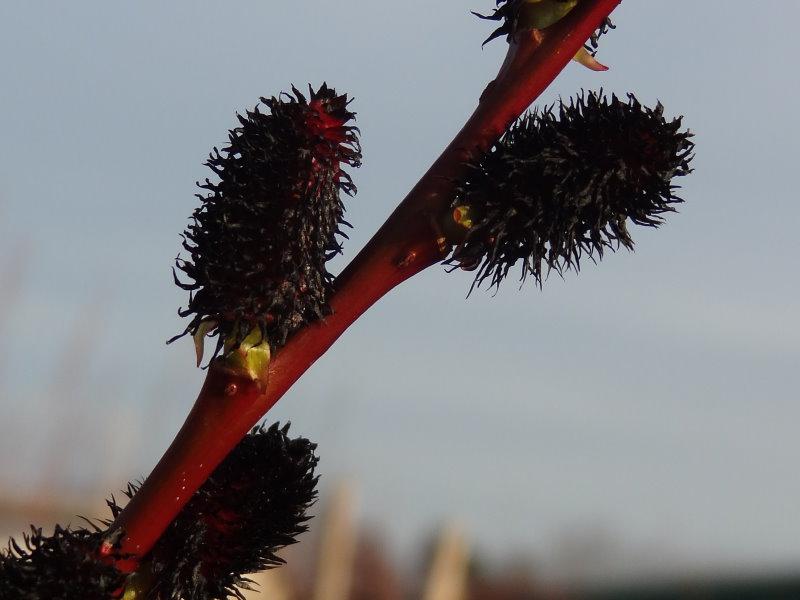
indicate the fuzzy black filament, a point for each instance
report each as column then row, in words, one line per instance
column 259, row 242
column 62, row 566
column 564, row 182
column 253, row 504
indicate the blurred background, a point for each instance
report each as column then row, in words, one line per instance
column 633, row 425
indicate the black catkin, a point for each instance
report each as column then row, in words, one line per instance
column 62, row 566
column 253, row 504
column 564, row 183
column 258, row 244
column 509, row 12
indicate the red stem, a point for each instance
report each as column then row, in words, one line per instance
column 228, row 406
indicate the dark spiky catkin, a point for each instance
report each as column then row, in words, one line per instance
column 259, row 242
column 253, row 504
column 509, row 11
column 62, row 566
column 561, row 184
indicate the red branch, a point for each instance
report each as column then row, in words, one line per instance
column 407, row 243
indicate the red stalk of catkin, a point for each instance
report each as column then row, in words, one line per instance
column 229, row 405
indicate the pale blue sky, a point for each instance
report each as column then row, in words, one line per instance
column 653, row 395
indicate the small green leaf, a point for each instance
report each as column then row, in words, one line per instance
column 251, row 357
column 538, row 14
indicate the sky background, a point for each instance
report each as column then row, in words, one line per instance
column 650, row 401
